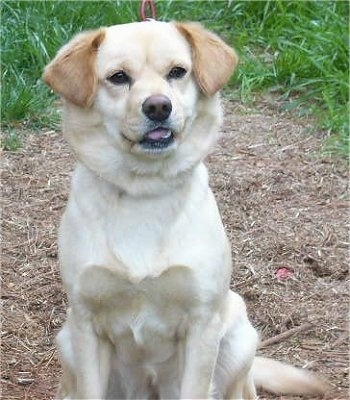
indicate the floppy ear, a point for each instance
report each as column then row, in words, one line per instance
column 214, row 61
column 72, row 73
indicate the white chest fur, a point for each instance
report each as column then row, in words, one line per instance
column 141, row 237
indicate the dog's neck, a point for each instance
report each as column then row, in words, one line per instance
column 143, row 186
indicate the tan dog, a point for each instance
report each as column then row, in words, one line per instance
column 144, row 256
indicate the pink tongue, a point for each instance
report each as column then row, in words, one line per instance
column 159, row 133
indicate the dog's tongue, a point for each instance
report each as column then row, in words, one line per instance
column 158, row 134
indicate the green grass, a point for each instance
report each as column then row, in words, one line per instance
column 297, row 50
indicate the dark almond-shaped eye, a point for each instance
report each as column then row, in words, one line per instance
column 119, row 78
column 176, row 73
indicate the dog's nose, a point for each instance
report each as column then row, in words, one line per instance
column 157, row 107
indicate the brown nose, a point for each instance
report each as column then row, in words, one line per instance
column 157, row 107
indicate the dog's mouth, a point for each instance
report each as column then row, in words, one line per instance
column 157, row 139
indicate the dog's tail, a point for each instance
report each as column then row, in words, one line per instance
column 276, row 377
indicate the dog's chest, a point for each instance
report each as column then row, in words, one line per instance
column 146, row 319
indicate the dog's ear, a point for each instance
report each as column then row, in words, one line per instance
column 72, row 73
column 214, row 61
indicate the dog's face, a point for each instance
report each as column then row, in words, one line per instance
column 146, row 83
column 147, row 94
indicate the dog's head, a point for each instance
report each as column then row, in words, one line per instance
column 151, row 86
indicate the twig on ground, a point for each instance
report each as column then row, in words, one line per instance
column 285, row 335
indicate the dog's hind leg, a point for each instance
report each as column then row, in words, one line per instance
column 233, row 378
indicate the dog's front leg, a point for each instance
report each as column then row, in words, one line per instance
column 201, row 352
column 92, row 356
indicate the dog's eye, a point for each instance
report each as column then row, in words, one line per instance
column 176, row 73
column 119, row 78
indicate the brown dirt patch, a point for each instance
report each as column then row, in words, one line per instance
column 284, row 205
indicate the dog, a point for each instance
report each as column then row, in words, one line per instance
column 144, row 256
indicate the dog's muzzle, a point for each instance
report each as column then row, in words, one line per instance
column 157, row 109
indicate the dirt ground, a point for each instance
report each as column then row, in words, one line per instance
column 285, row 207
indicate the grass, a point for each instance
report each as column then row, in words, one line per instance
column 297, row 50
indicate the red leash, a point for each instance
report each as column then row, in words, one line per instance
column 147, row 4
